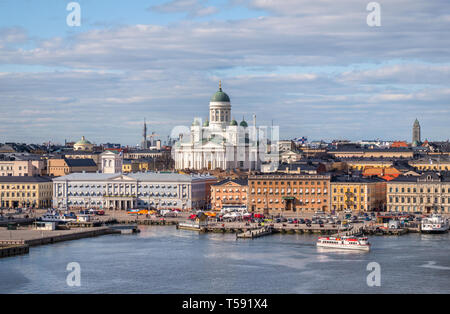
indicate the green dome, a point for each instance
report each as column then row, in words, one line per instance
column 233, row 122
column 206, row 123
column 220, row 96
column 243, row 124
column 83, row 141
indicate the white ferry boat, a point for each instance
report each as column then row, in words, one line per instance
column 345, row 242
column 434, row 224
column 53, row 217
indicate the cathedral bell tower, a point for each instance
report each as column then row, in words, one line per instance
column 219, row 109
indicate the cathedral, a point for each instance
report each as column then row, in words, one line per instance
column 219, row 142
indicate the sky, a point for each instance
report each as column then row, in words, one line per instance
column 314, row 68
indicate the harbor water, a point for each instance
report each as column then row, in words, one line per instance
column 162, row 259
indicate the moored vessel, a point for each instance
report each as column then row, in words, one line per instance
column 434, row 224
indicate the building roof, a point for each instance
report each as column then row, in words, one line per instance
column 360, row 149
column 140, row 176
column 24, row 179
column 154, row 176
column 145, row 151
column 355, row 179
column 237, row 181
column 80, row 162
column 442, row 177
column 80, row 152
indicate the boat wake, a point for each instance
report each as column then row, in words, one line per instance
column 432, row 265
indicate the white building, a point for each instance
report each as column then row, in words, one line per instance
column 135, row 190
column 111, row 162
column 219, row 142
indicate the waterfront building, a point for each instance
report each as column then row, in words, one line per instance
column 229, row 193
column 63, row 166
column 22, row 167
column 112, row 161
column 288, row 193
column 427, row 193
column 358, row 193
column 25, row 191
column 134, row 190
column 83, row 145
column 416, row 134
column 219, row 143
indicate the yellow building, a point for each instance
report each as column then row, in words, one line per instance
column 358, row 194
column 35, row 192
column 431, row 164
column 130, row 166
column 362, row 164
column 397, row 152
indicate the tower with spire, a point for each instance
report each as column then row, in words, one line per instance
column 416, row 133
column 144, row 134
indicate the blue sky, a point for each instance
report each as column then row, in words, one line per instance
column 314, row 67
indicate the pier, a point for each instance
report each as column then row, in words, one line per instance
column 256, row 233
column 12, row 250
column 14, row 242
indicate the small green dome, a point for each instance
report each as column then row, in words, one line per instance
column 220, row 96
column 243, row 124
column 83, row 141
column 206, row 123
column 233, row 122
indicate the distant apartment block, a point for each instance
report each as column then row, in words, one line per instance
column 21, row 168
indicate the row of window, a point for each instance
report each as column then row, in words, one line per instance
column 232, row 190
column 289, row 191
column 125, row 186
column 231, row 197
column 305, row 201
column 422, row 190
column 11, row 167
column 23, row 194
column 420, row 200
column 174, row 194
column 404, row 208
column 16, row 187
column 289, row 183
column 335, row 198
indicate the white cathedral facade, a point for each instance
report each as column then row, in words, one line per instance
column 219, row 142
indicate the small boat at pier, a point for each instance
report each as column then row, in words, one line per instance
column 55, row 217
